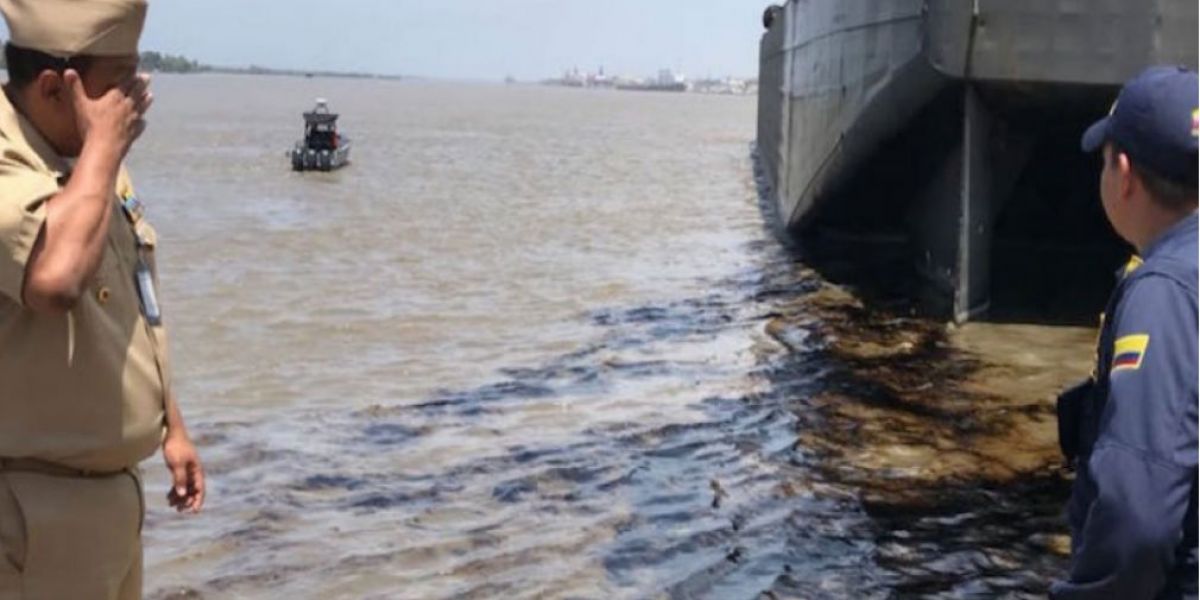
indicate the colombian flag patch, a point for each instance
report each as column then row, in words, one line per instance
column 1129, row 351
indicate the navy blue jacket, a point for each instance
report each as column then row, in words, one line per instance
column 1133, row 506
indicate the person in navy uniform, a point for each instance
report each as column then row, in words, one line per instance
column 1131, row 430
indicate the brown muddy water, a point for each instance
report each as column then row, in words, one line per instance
column 540, row 343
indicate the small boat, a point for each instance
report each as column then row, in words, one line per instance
column 322, row 148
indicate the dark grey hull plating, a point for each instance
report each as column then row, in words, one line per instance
column 947, row 97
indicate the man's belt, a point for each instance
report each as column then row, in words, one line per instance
column 34, row 465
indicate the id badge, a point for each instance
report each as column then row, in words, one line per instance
column 147, row 295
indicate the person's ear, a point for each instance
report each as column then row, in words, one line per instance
column 1125, row 176
column 50, row 87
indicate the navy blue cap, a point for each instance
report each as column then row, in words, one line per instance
column 1155, row 121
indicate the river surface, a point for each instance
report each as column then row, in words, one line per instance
column 516, row 349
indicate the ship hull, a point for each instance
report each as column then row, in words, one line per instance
column 309, row 159
column 918, row 116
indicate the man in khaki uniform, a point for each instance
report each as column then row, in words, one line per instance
column 85, row 389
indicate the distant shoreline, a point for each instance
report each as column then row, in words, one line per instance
column 157, row 62
column 256, row 70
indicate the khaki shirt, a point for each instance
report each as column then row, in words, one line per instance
column 86, row 389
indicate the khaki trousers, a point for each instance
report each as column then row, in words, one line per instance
column 65, row 537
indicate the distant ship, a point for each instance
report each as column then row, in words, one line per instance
column 322, row 148
column 653, row 87
column 667, row 81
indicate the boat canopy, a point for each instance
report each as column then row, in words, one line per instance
column 316, row 118
column 320, row 114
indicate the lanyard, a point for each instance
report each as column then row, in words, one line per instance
column 142, row 277
column 133, row 209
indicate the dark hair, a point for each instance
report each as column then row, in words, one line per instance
column 24, row 64
column 1168, row 193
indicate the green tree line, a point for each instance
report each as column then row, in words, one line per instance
column 169, row 63
column 154, row 61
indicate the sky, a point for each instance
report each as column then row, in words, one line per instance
column 465, row 39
